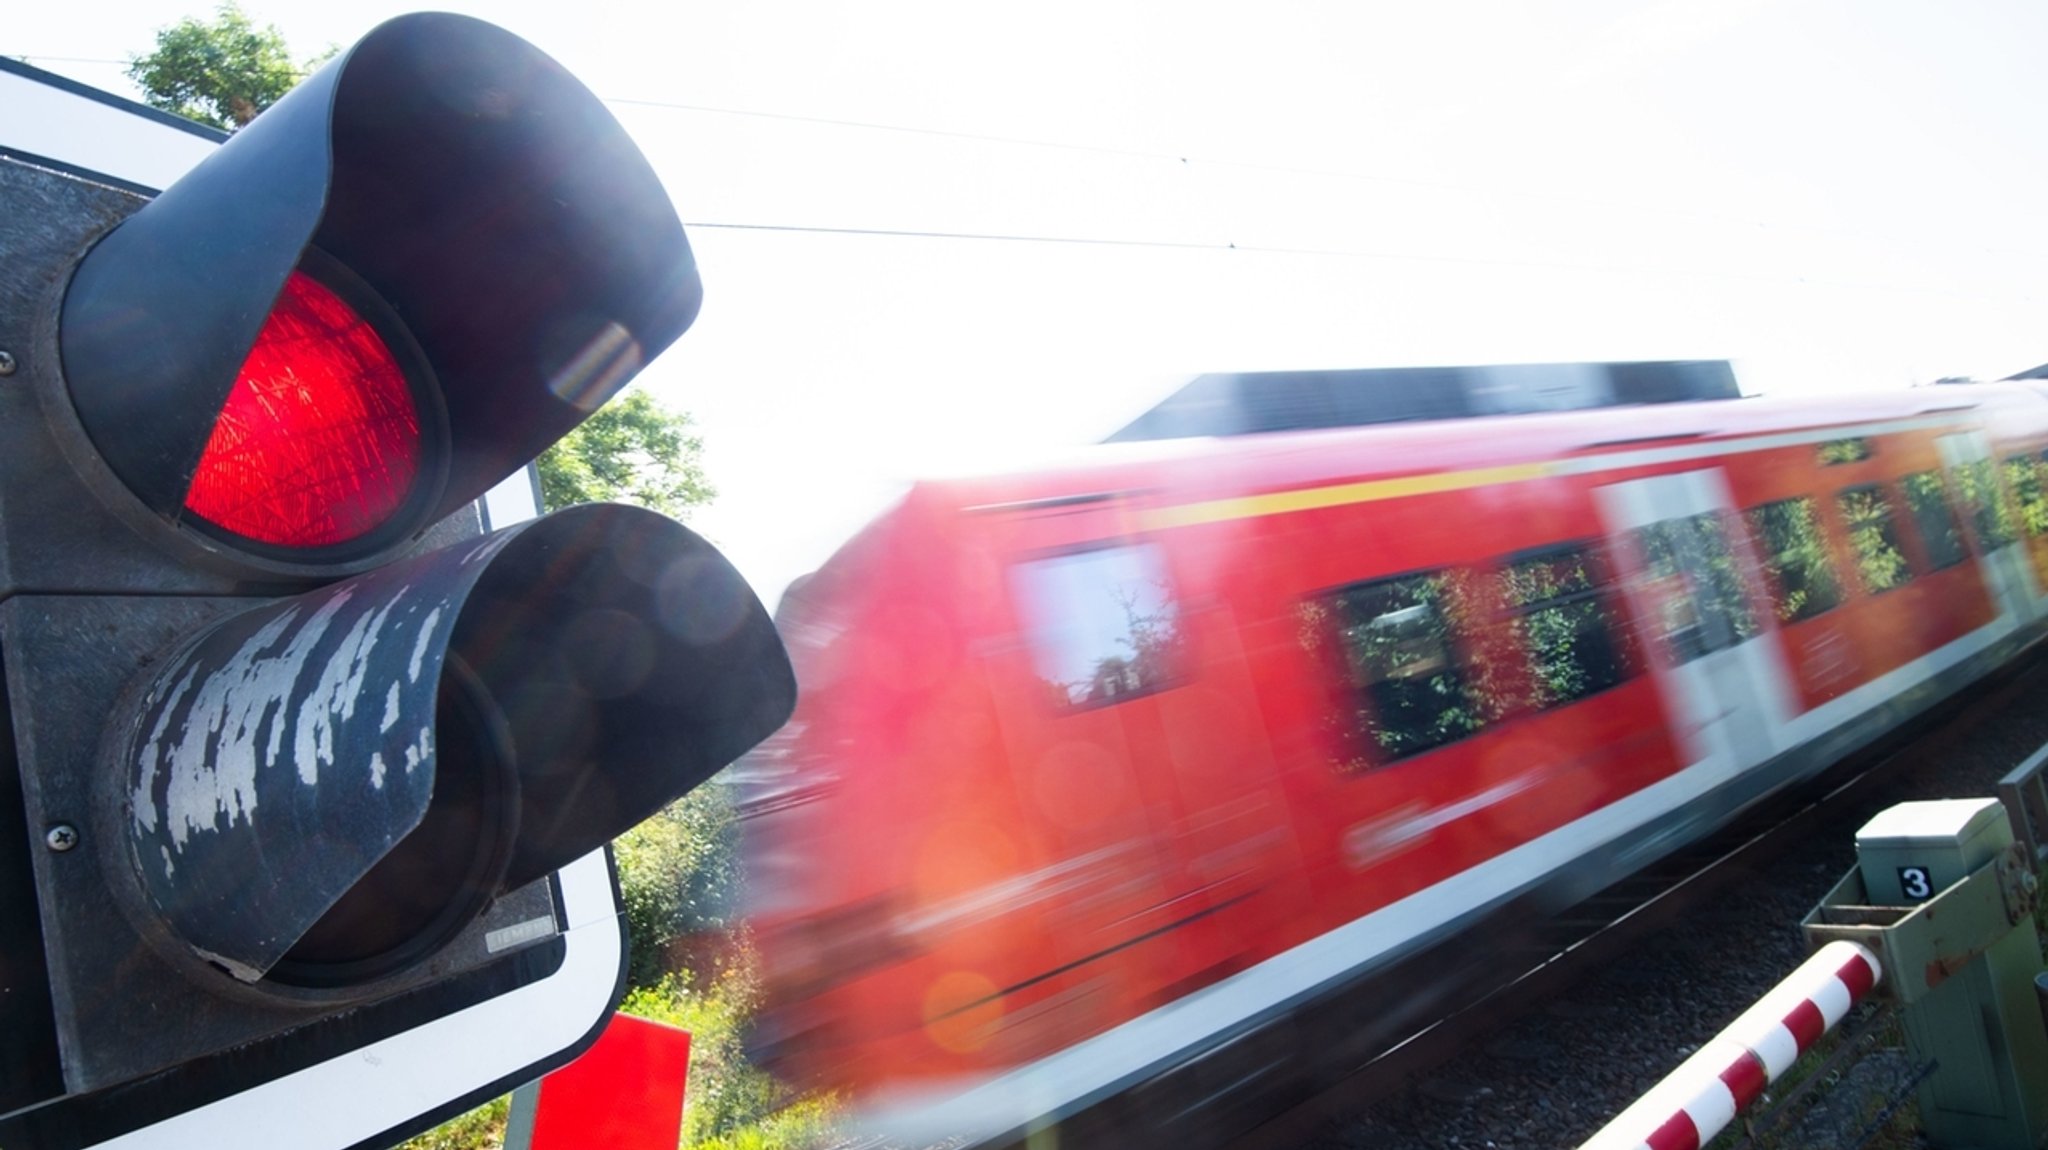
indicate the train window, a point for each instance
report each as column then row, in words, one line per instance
column 1691, row 572
column 1875, row 536
column 1837, row 451
column 1985, row 501
column 1565, row 619
column 1800, row 571
column 2023, row 475
column 1399, row 647
column 1103, row 623
column 1927, row 498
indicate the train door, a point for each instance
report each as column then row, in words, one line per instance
column 1133, row 733
column 1973, row 476
column 1721, row 677
column 1233, row 836
column 1058, row 692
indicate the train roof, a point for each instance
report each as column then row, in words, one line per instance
column 1240, row 464
column 1207, row 468
column 1248, row 403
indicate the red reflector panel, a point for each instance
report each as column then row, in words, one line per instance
column 319, row 441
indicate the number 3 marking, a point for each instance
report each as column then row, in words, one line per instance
column 1913, row 880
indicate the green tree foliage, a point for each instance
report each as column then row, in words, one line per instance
column 633, row 450
column 1802, row 573
column 1397, row 638
column 1561, row 621
column 221, row 72
column 2024, row 474
column 1879, row 561
column 1927, row 499
column 481, row 1129
column 1990, row 508
column 679, row 876
column 730, row 1104
column 1152, row 643
column 1836, row 451
column 1703, row 603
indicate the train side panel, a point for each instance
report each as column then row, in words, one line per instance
column 1224, row 728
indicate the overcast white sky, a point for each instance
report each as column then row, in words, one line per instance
column 1835, row 194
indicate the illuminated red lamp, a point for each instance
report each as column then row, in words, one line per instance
column 318, row 443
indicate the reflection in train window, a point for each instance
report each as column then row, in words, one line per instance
column 1927, row 498
column 2023, row 473
column 1839, row 451
column 1398, row 642
column 1800, row 571
column 1990, row 510
column 1103, row 624
column 1565, row 621
column 1875, row 537
column 1690, row 574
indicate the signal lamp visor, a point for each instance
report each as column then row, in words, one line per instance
column 319, row 793
column 318, row 444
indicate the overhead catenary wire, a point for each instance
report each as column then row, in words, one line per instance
column 1195, row 161
column 1185, row 160
column 1334, row 253
column 1493, row 190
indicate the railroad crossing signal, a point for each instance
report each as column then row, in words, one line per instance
column 307, row 780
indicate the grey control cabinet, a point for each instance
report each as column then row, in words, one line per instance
column 1977, row 1016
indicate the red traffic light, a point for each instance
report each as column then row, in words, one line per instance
column 318, row 443
column 485, row 220
column 308, row 725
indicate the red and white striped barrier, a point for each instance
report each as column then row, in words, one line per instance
column 1709, row 1089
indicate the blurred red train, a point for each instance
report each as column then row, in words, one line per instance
column 1098, row 771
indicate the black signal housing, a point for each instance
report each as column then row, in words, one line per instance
column 369, row 176
column 318, row 800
